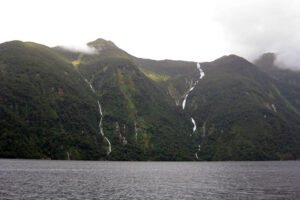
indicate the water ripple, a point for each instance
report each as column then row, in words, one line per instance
column 37, row 179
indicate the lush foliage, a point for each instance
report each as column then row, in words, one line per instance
column 48, row 110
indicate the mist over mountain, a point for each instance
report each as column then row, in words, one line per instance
column 273, row 28
column 102, row 103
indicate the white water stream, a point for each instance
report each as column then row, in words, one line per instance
column 194, row 123
column 196, row 154
column 101, row 126
column 101, row 117
column 274, row 108
column 192, row 86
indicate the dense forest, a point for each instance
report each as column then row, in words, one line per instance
column 57, row 103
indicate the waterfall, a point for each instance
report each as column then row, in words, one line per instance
column 194, row 123
column 101, row 128
column 196, row 154
column 101, row 117
column 202, row 74
column 274, row 108
column 109, row 145
column 192, row 86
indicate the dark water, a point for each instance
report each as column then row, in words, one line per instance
column 38, row 179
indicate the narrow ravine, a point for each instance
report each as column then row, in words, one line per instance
column 191, row 88
column 100, row 112
column 204, row 129
column 93, row 90
column 135, row 130
column 171, row 93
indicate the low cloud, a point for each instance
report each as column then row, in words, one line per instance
column 252, row 28
column 82, row 49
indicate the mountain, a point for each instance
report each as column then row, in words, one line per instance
column 245, row 114
column 241, row 111
column 138, row 118
column 267, row 63
column 288, row 80
column 46, row 108
column 105, row 104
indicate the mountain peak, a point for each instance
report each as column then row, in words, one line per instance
column 102, row 44
column 229, row 59
column 266, row 61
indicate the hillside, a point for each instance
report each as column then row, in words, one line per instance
column 47, row 111
column 241, row 112
column 288, row 80
column 58, row 103
column 138, row 116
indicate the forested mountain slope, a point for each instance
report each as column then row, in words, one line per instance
column 58, row 103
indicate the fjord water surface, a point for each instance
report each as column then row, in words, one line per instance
column 42, row 179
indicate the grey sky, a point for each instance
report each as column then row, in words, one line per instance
column 255, row 27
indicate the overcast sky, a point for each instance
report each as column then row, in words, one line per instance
column 161, row 29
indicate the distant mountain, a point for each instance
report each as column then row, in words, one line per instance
column 267, row 63
column 106, row 104
column 288, row 81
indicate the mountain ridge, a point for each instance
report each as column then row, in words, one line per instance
column 237, row 111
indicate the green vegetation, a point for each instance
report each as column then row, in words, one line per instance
column 46, row 108
column 48, row 111
column 154, row 76
column 128, row 96
column 232, row 100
